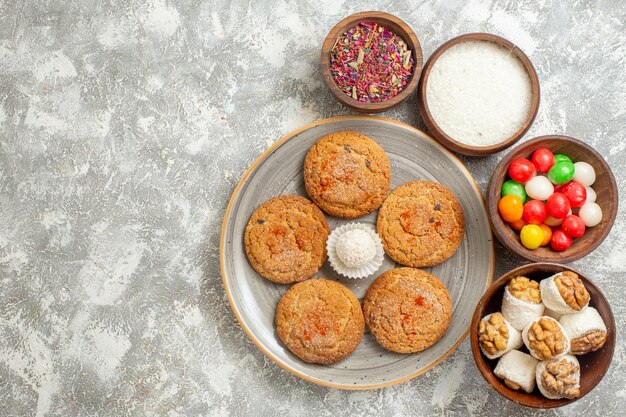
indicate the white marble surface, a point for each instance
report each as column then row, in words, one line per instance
column 124, row 127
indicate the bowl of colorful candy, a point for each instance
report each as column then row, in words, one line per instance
column 553, row 199
column 371, row 61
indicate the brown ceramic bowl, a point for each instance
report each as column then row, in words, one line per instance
column 443, row 137
column 605, row 188
column 593, row 365
column 396, row 26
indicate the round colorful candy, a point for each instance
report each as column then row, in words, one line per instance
column 547, row 234
column 515, row 188
column 557, row 205
column 552, row 222
column 591, row 195
column 559, row 157
column 560, row 240
column 591, row 214
column 575, row 192
column 573, row 226
column 584, row 173
column 543, row 159
column 511, row 208
column 517, row 225
column 531, row 236
column 535, row 212
column 561, row 173
column 521, row 170
column 539, row 188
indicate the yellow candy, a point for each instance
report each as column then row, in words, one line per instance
column 532, row 236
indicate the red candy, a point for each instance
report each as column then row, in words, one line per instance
column 560, row 240
column 576, row 193
column 573, row 226
column 521, row 170
column 543, row 159
column 557, row 205
column 535, row 212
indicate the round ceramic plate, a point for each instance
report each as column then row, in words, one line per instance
column 413, row 155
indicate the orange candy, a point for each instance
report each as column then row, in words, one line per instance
column 511, row 208
column 547, row 234
column 517, row 225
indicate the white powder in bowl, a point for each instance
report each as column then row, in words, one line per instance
column 479, row 93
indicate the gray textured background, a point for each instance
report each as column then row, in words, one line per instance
column 124, row 127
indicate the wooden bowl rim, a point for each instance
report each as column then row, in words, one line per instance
column 487, row 373
column 442, row 136
column 410, row 39
column 497, row 225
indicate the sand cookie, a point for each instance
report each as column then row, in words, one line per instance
column 407, row 310
column 347, row 174
column 320, row 321
column 285, row 239
column 421, row 224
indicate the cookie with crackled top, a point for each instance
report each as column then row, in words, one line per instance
column 407, row 310
column 320, row 321
column 285, row 239
column 347, row 174
column 421, row 224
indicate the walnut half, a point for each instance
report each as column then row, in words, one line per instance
column 493, row 334
column 546, row 339
column 572, row 290
column 525, row 289
column 588, row 343
column 560, row 379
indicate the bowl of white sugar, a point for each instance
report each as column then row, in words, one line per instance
column 478, row 94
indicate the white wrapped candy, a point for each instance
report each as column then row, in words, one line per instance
column 586, row 330
column 518, row 370
column 488, row 332
column 539, row 344
column 559, row 378
column 520, row 312
column 552, row 313
column 355, row 250
column 552, row 298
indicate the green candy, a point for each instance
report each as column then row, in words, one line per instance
column 559, row 157
column 515, row 188
column 561, row 172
